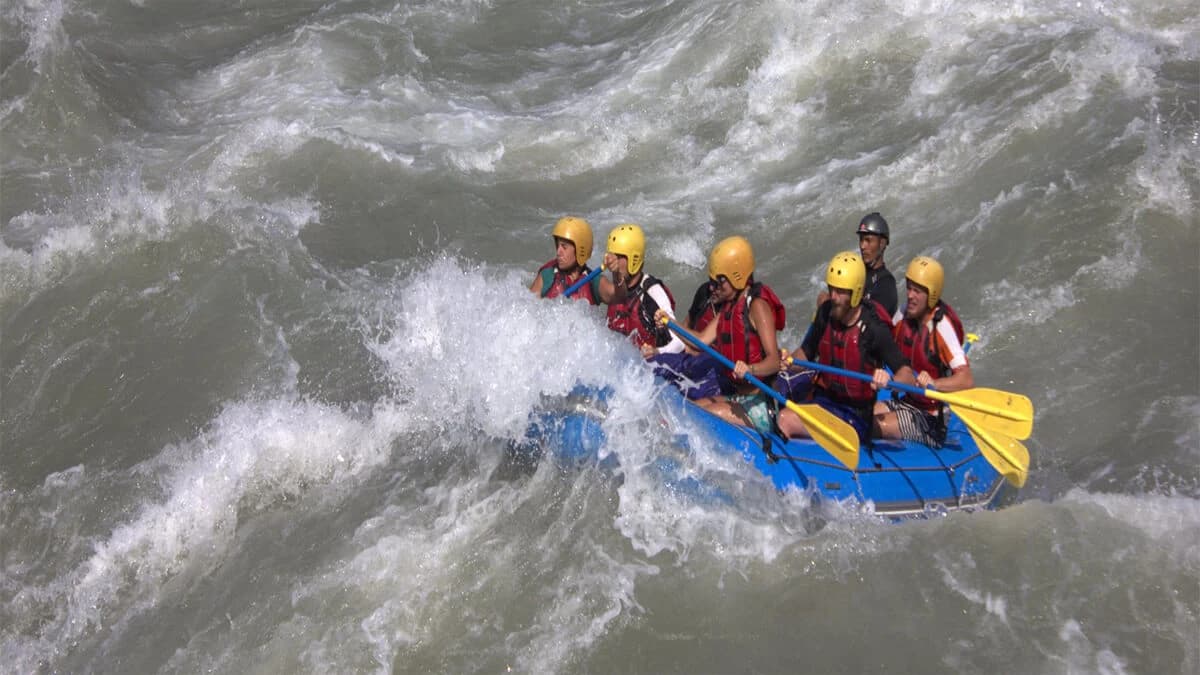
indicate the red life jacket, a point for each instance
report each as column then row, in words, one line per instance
column 881, row 312
column 919, row 344
column 737, row 339
column 634, row 316
column 555, row 282
column 841, row 346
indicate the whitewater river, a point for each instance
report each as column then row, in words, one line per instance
column 265, row 336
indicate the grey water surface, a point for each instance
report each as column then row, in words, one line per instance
column 265, row 338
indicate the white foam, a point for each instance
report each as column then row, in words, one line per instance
column 1172, row 520
column 1161, row 173
column 469, row 352
column 88, row 228
column 1026, row 308
column 42, row 21
column 994, row 604
column 254, row 456
column 1082, row 654
column 122, row 211
column 492, row 372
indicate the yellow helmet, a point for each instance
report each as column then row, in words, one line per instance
column 578, row 232
column 847, row 272
column 732, row 258
column 629, row 241
column 927, row 272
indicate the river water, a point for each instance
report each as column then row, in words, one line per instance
column 266, row 339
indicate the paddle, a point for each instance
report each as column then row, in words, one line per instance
column 830, row 432
column 1019, row 458
column 1001, row 412
column 583, row 282
column 998, row 446
column 994, row 444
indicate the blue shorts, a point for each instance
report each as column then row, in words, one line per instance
column 696, row 375
column 795, row 385
column 855, row 417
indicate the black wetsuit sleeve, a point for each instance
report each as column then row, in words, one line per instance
column 813, row 337
column 883, row 349
column 883, row 291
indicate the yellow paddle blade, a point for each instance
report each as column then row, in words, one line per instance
column 1001, row 411
column 1008, row 455
column 994, row 424
column 830, row 432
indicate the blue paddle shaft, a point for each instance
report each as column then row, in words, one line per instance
column 679, row 330
column 582, row 282
column 858, row 376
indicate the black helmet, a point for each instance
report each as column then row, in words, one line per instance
column 873, row 223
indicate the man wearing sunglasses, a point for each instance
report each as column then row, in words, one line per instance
column 744, row 329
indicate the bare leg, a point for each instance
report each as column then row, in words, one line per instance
column 790, row 424
column 885, row 424
column 722, row 407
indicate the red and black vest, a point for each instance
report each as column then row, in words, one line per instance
column 844, row 347
column 737, row 339
column 634, row 316
column 555, row 282
column 918, row 342
column 881, row 311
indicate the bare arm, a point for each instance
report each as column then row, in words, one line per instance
column 906, row 376
column 951, row 352
column 957, row 380
column 614, row 289
column 884, row 349
column 763, row 320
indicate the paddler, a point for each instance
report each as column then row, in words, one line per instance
column 930, row 336
column 573, row 249
column 880, row 284
column 847, row 333
column 744, row 331
column 633, row 314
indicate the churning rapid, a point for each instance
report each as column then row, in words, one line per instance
column 267, row 338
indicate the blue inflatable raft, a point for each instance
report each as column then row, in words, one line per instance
column 897, row 479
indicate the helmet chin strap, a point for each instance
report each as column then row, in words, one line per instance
column 878, row 261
